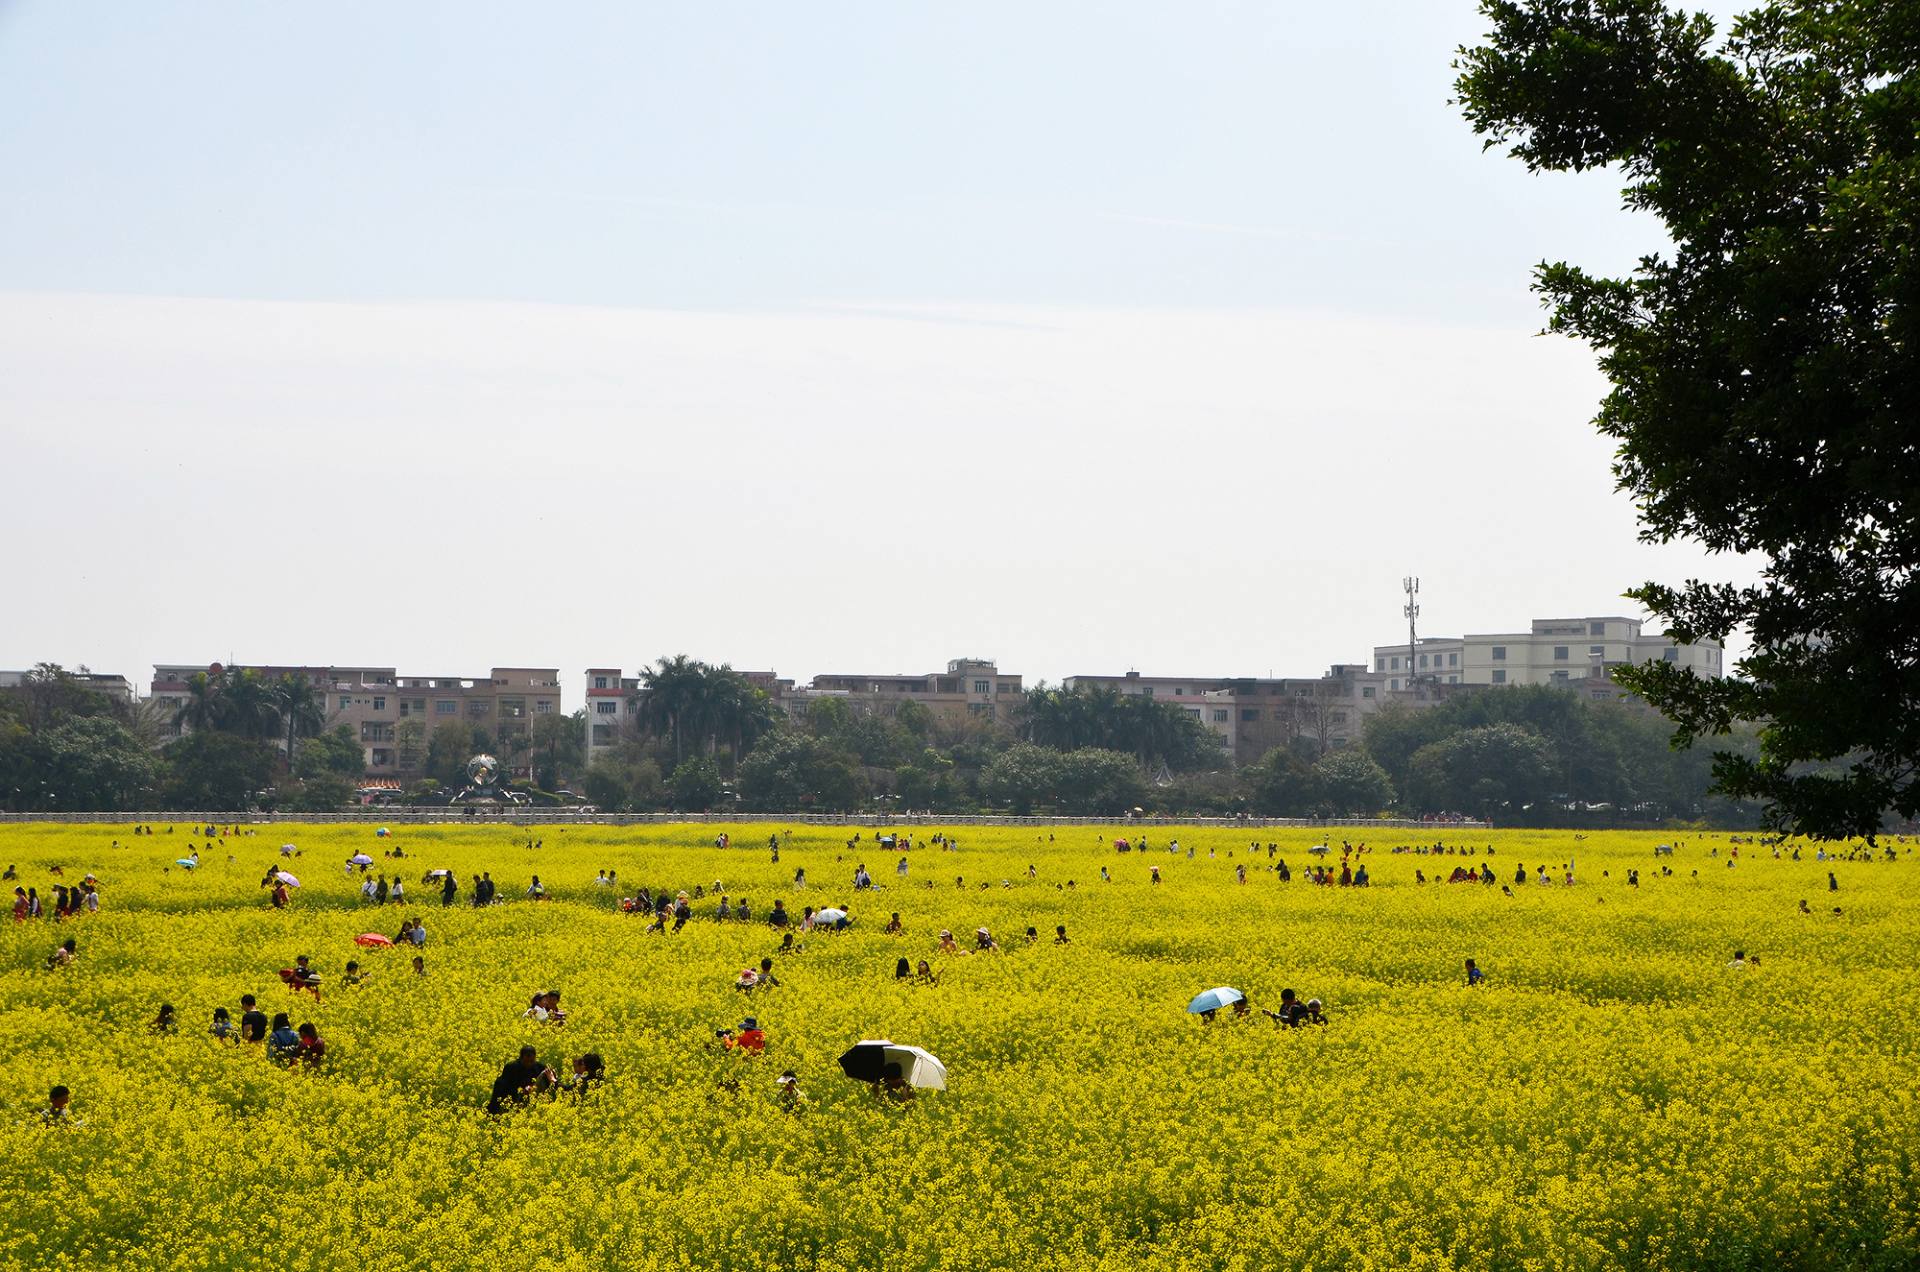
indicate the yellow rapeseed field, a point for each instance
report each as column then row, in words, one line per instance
column 1614, row 1095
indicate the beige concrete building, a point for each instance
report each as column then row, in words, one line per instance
column 1252, row 714
column 114, row 688
column 970, row 687
column 393, row 716
column 1571, row 653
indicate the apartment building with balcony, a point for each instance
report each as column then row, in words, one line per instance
column 1577, row 654
column 969, row 688
column 1253, row 714
column 393, row 716
column 612, row 708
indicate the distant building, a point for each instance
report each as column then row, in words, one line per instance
column 1253, row 714
column 393, row 716
column 1578, row 654
column 612, row 708
column 115, row 688
column 970, row 687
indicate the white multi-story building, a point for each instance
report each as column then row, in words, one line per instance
column 611, row 705
column 1571, row 653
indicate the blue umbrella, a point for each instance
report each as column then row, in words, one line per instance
column 1214, row 999
column 188, row 862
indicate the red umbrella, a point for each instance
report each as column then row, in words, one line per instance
column 372, row 939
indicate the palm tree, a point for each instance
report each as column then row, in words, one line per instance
column 202, row 708
column 674, row 700
column 301, row 711
column 250, row 710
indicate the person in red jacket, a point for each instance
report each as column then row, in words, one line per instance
column 751, row 1038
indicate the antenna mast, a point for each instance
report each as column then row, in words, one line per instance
column 1411, row 586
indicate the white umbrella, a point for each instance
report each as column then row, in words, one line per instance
column 286, row 878
column 359, row 859
column 1320, row 848
column 866, row 1061
column 829, row 915
column 1214, row 999
column 288, row 848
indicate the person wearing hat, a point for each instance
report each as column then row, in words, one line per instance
column 747, row 979
column 751, row 1037
column 1314, row 1015
column 791, row 1098
column 947, row 944
column 983, row 940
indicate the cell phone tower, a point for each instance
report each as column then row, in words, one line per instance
column 1411, row 586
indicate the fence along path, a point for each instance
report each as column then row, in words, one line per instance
column 562, row 816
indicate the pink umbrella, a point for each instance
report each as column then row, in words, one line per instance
column 371, row 939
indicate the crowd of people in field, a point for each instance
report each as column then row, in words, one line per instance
column 670, row 909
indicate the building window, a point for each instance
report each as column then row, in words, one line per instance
column 1559, row 677
column 1379, row 664
column 980, row 708
column 1393, row 685
column 1219, row 715
column 1366, row 691
column 379, row 704
column 1193, row 711
column 1500, row 676
column 382, row 758
column 1393, row 664
column 374, row 731
column 1670, row 654
column 1453, row 680
column 1596, row 629
column 1453, row 660
column 602, row 735
column 1336, row 717
column 479, row 707
column 1560, row 653
column 1249, row 714
column 599, row 682
column 1499, row 653
column 606, row 708
column 442, row 707
column 1423, row 660
column 1597, row 649
column 543, row 707
column 513, row 708
column 983, row 686
column 345, row 702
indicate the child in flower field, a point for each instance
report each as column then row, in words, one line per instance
column 222, row 1029
column 311, row 1049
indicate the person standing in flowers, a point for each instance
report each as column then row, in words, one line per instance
column 1474, row 974
column 283, row 1044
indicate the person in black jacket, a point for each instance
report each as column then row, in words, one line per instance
column 520, row 1078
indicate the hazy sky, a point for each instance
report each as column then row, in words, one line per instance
column 818, row 337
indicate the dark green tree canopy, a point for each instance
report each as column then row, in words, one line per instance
column 1766, row 394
